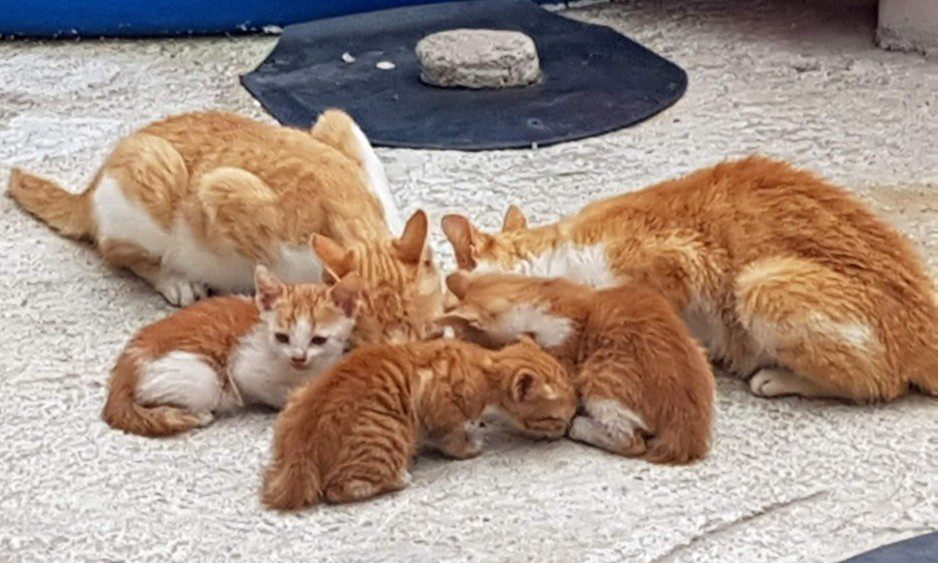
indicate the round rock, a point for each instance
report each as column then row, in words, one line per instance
column 478, row 58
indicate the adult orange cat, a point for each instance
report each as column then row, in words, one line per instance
column 645, row 386
column 776, row 271
column 350, row 434
column 227, row 352
column 193, row 202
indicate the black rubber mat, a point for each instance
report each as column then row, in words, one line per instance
column 921, row 549
column 594, row 79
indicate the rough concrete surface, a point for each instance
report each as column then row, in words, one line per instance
column 478, row 58
column 788, row 480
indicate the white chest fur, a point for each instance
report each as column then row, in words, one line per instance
column 265, row 377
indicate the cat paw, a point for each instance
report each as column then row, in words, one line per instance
column 583, row 429
column 204, row 418
column 781, row 382
column 180, row 291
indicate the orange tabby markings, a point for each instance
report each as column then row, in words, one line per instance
column 351, row 434
column 770, row 267
column 193, row 202
column 223, row 353
column 644, row 384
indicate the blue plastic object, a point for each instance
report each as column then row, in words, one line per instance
column 141, row 18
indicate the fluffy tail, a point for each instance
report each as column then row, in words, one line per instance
column 336, row 129
column 291, row 485
column 67, row 213
column 123, row 413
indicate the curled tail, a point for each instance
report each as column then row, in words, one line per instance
column 67, row 213
column 338, row 130
column 122, row 412
column 291, row 485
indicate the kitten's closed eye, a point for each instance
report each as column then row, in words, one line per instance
column 318, row 340
column 282, row 338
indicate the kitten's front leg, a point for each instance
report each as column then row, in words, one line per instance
column 463, row 442
column 590, row 431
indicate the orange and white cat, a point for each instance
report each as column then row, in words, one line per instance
column 645, row 385
column 193, row 202
column 223, row 353
column 776, row 271
column 351, row 434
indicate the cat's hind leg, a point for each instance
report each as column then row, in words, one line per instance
column 186, row 381
column 135, row 200
column 609, row 425
column 360, row 482
column 817, row 326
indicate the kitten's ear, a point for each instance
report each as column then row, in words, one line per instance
column 514, row 220
column 336, row 260
column 521, row 386
column 464, row 238
column 412, row 245
column 458, row 283
column 346, row 293
column 267, row 288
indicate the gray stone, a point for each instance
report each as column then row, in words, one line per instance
column 478, row 58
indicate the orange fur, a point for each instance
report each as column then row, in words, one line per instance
column 210, row 333
column 351, row 434
column 773, row 268
column 231, row 188
column 624, row 344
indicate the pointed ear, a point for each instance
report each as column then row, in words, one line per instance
column 413, row 242
column 336, row 260
column 346, row 293
column 514, row 220
column 267, row 288
column 465, row 239
column 458, row 283
column 521, row 386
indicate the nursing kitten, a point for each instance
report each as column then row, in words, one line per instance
column 227, row 352
column 351, row 434
column 777, row 272
column 645, row 386
column 193, row 202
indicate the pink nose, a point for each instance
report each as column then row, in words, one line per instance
column 298, row 359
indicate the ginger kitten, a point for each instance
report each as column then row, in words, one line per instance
column 227, row 352
column 645, row 386
column 351, row 434
column 783, row 276
column 193, row 202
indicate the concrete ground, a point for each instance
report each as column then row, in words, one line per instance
column 788, row 480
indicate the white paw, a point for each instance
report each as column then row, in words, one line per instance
column 180, row 291
column 360, row 489
column 779, row 382
column 475, row 441
column 204, row 418
column 405, row 477
column 582, row 429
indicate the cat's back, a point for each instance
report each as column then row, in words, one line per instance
column 210, row 327
column 636, row 313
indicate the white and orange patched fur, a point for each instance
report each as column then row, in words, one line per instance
column 644, row 384
column 224, row 353
column 193, row 202
column 781, row 275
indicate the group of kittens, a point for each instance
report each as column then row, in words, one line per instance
column 589, row 328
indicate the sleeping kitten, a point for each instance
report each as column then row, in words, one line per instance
column 227, row 352
column 351, row 434
column 777, row 272
column 193, row 202
column 645, row 386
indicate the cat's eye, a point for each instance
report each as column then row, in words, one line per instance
column 318, row 340
column 282, row 338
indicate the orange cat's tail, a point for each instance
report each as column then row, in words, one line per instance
column 67, row 213
column 291, row 485
column 122, row 412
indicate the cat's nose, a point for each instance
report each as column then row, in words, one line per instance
column 298, row 360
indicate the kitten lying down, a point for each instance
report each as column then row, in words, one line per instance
column 645, row 386
column 223, row 353
column 351, row 434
